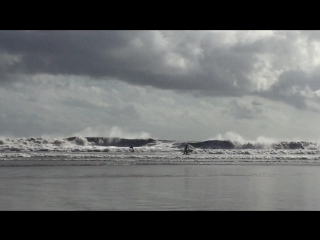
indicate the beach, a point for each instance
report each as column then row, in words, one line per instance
column 102, row 174
column 159, row 187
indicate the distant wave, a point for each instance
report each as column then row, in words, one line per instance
column 46, row 144
column 117, row 142
column 207, row 144
column 116, row 151
column 227, row 144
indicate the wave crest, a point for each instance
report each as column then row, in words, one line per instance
column 35, row 144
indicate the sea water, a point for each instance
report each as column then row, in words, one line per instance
column 29, row 185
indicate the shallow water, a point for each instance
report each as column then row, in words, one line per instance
column 159, row 187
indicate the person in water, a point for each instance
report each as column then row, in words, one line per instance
column 186, row 148
column 131, row 148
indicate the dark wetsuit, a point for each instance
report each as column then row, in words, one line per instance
column 186, row 149
column 131, row 148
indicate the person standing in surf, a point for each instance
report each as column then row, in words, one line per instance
column 185, row 149
column 131, row 148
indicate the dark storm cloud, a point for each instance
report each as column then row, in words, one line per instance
column 112, row 54
column 294, row 87
column 205, row 62
column 60, row 52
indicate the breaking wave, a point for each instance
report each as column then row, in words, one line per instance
column 116, row 151
column 148, row 144
column 207, row 144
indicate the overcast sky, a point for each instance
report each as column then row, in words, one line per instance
column 180, row 85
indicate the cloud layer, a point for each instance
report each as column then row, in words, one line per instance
column 159, row 82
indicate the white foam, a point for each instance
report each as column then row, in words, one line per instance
column 157, row 150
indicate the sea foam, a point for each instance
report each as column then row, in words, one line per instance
column 88, row 143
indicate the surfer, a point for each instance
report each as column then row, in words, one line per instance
column 131, row 148
column 185, row 149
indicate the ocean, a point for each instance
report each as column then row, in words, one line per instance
column 65, row 175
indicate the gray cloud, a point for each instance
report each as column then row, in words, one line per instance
column 294, row 88
column 160, row 59
column 202, row 62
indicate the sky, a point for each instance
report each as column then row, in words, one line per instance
column 184, row 85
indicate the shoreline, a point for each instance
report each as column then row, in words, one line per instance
column 126, row 162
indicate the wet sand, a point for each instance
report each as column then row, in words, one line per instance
column 160, row 187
